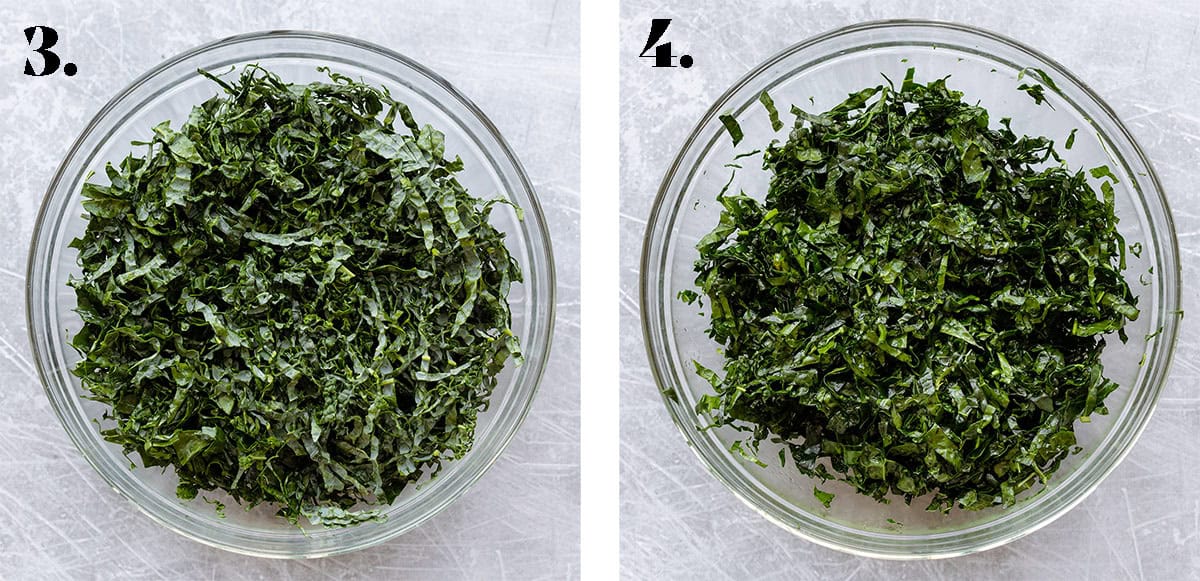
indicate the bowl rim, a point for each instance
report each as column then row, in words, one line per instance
column 648, row 296
column 539, row 241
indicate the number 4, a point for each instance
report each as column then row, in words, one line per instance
column 662, row 53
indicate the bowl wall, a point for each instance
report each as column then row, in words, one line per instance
column 815, row 76
column 169, row 92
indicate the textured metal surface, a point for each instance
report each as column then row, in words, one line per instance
column 517, row 60
column 1143, row 522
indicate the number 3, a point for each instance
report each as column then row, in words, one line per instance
column 50, row 61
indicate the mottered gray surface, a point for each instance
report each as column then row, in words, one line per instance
column 517, row 60
column 1143, row 522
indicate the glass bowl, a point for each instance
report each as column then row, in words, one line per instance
column 168, row 92
column 985, row 67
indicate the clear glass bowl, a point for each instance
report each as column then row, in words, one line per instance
column 168, row 92
column 985, row 67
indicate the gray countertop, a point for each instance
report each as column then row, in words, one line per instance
column 1143, row 522
column 517, row 60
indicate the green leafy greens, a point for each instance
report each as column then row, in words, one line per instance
column 289, row 300
column 919, row 306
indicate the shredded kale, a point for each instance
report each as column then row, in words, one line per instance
column 919, row 305
column 293, row 300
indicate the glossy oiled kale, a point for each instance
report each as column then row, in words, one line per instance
column 919, row 304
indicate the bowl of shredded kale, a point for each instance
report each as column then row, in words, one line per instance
column 291, row 293
column 910, row 289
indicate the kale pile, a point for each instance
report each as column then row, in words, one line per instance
column 920, row 303
column 292, row 301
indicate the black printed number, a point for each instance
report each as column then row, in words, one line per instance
column 50, row 60
column 662, row 52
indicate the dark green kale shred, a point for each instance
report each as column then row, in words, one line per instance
column 292, row 300
column 920, row 304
